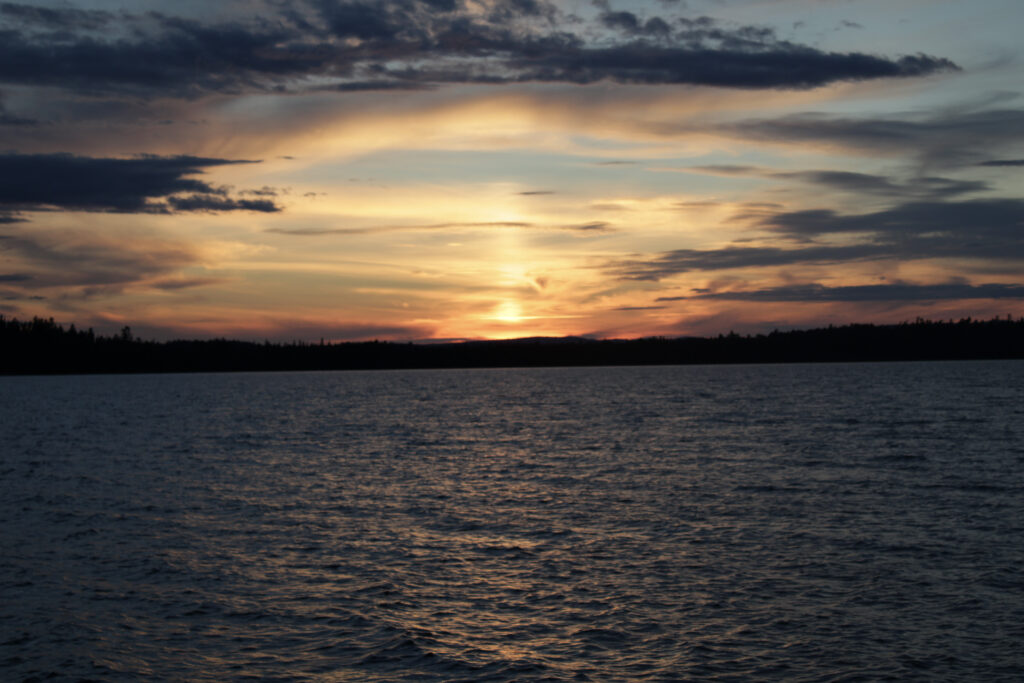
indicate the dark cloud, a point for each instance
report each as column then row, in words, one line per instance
column 771, row 67
column 264, row 191
column 988, row 230
column 932, row 187
column 531, row 193
column 952, row 138
column 678, row 261
column 977, row 219
column 8, row 119
column 64, row 18
column 158, row 55
column 14, row 277
column 144, row 184
column 847, row 181
column 1002, row 162
column 639, row 308
column 184, row 283
column 632, row 24
column 11, row 295
column 865, row 183
column 379, row 85
column 897, row 291
column 197, row 202
column 595, row 226
column 406, row 44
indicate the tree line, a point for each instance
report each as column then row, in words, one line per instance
column 42, row 346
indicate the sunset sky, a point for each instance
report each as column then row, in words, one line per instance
column 457, row 169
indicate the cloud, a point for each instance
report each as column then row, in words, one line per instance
column 280, row 329
column 973, row 220
column 262, row 192
column 79, row 259
column 983, row 229
column 771, row 67
column 312, row 232
column 933, row 187
column 724, row 169
column 64, row 18
column 175, row 284
column 927, row 186
column 697, row 204
column 669, row 263
column 630, row 23
column 949, row 138
column 145, row 184
column 897, row 291
column 355, row 45
column 198, row 202
column 596, row 226
column 8, row 119
column 1002, row 162
column 639, row 308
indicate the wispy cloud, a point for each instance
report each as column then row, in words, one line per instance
column 948, row 138
column 596, row 226
column 978, row 229
column 896, row 291
column 88, row 262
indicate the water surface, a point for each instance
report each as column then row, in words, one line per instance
column 797, row 522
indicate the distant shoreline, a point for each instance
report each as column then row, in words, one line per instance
column 44, row 347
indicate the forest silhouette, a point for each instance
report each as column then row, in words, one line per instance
column 42, row 346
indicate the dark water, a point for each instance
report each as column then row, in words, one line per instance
column 819, row 522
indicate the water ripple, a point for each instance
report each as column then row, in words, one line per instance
column 804, row 523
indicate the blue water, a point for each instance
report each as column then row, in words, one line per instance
column 801, row 522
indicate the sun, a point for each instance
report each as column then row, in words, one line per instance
column 508, row 311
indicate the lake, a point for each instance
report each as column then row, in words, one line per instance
column 759, row 522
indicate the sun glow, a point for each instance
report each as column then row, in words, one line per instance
column 508, row 311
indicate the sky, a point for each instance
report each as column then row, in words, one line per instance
column 483, row 169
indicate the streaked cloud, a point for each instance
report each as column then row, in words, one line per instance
column 897, row 291
column 982, row 230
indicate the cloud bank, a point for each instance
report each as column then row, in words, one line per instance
column 361, row 45
column 144, row 184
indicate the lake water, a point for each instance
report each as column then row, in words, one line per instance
column 796, row 522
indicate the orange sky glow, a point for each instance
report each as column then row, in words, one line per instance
column 581, row 171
